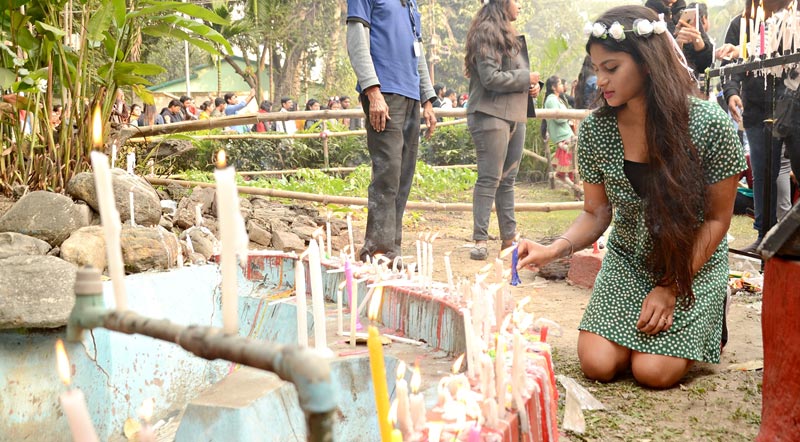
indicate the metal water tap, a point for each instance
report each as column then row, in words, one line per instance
column 89, row 310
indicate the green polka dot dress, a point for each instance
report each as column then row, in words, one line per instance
column 624, row 281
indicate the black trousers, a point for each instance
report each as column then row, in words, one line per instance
column 394, row 158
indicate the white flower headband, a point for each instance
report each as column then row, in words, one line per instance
column 641, row 27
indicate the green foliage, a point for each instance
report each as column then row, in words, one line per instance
column 448, row 145
column 40, row 69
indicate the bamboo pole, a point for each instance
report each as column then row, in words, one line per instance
column 327, row 170
column 353, row 201
column 253, row 118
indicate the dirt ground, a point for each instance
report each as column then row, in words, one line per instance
column 711, row 403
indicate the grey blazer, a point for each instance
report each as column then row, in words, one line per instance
column 501, row 89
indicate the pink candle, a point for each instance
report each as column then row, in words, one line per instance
column 417, row 401
column 761, row 39
column 73, row 402
column 348, row 278
column 474, row 434
column 146, row 434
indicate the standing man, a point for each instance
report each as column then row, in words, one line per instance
column 233, row 106
column 288, row 126
column 384, row 43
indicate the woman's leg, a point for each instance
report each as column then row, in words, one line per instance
column 504, row 196
column 658, row 371
column 491, row 137
column 600, row 358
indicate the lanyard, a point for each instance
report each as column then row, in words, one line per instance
column 413, row 22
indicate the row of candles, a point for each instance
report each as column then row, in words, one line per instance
column 781, row 29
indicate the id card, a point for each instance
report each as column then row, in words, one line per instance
column 417, row 48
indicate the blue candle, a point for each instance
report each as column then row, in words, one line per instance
column 514, row 273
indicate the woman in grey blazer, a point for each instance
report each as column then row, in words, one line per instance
column 500, row 83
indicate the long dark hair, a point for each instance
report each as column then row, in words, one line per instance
column 675, row 193
column 582, row 99
column 491, row 34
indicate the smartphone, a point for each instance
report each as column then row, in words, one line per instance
column 690, row 16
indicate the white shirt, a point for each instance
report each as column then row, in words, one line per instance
column 287, row 126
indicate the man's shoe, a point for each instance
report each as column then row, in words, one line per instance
column 752, row 247
column 479, row 253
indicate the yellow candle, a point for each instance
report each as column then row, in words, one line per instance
column 397, row 436
column 378, row 369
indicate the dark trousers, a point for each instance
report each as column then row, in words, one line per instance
column 498, row 147
column 394, row 158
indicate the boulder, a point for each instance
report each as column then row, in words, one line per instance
column 48, row 216
column 185, row 216
column 258, row 234
column 148, row 248
column 86, row 246
column 36, row 291
column 282, row 240
column 15, row 244
column 147, row 204
column 203, row 241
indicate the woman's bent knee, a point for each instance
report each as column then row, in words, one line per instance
column 658, row 371
column 600, row 358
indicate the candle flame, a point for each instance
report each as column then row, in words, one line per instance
column 375, row 303
column 401, row 370
column 458, row 363
column 221, row 160
column 393, row 413
column 62, row 362
column 97, row 127
column 416, row 379
column 146, row 410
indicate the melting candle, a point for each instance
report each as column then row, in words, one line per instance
column 417, row 401
column 146, row 434
column 317, row 296
column 73, row 402
column 227, row 209
column 378, row 370
column 404, row 420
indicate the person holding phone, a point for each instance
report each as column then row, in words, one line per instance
column 691, row 33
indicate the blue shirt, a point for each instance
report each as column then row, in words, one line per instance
column 393, row 30
column 231, row 109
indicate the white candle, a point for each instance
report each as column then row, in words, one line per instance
column 339, row 317
column 352, row 297
column 449, row 270
column 227, row 207
column 487, row 376
column 499, row 307
column 300, row 300
column 350, row 234
column 146, row 433
column 417, row 402
column 131, row 157
column 468, row 336
column 418, row 243
column 73, row 402
column 328, row 235
column 517, row 365
column 403, row 405
column 113, row 155
column 198, row 215
column 111, row 227
column 130, row 201
column 430, row 261
column 317, row 296
column 500, row 374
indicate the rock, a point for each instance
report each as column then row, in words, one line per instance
column 265, row 215
column 36, row 291
column 166, row 223
column 5, row 204
column 277, row 225
column 305, row 209
column 584, row 266
column 86, row 246
column 186, row 215
column 282, row 240
column 148, row 248
column 258, row 234
column 203, row 241
column 304, row 231
column 49, row 216
column 147, row 204
column 339, row 242
column 197, row 259
column 177, row 192
column 15, row 244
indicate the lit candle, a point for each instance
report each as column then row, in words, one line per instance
column 300, row 300
column 73, row 402
column 417, row 401
column 350, row 233
column 112, row 227
column 328, row 234
column 317, row 296
column 403, row 406
column 378, row 370
column 146, row 434
column 500, row 373
column 130, row 202
column 227, row 208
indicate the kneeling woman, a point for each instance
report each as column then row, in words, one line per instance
column 663, row 164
